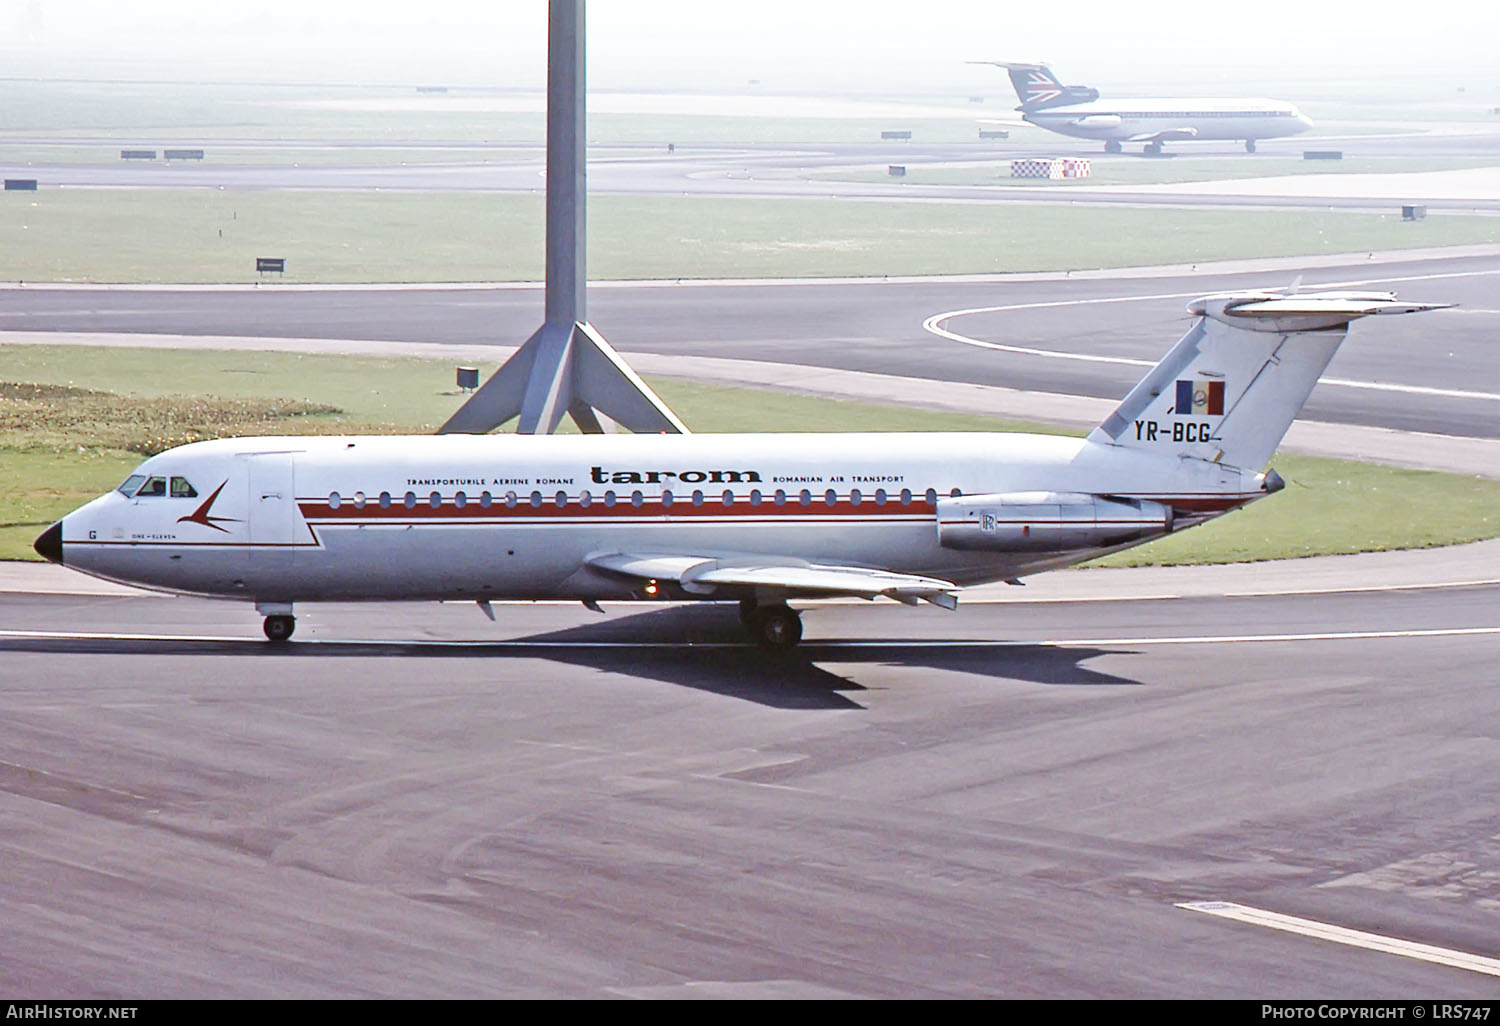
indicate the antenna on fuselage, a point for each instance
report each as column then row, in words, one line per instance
column 566, row 367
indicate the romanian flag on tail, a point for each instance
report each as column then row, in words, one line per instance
column 1200, row 398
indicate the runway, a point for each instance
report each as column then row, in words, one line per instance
column 1010, row 801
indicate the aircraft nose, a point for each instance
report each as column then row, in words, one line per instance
column 49, row 544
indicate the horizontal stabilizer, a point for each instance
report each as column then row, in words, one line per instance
column 1315, row 311
column 1352, row 303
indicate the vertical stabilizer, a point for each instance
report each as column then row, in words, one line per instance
column 1038, row 88
column 1230, row 388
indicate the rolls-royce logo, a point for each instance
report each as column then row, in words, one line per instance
column 201, row 515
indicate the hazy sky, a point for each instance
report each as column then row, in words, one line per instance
column 785, row 44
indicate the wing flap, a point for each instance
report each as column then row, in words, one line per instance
column 649, row 568
column 830, row 580
column 703, row 575
column 1166, row 135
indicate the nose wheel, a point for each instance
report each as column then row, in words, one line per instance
column 279, row 628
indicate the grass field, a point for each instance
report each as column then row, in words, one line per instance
column 63, row 444
column 200, row 235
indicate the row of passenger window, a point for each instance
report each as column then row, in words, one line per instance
column 637, row 499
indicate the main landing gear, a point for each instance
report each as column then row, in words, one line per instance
column 1249, row 145
column 776, row 627
column 1113, row 146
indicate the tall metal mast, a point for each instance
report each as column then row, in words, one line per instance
column 566, row 366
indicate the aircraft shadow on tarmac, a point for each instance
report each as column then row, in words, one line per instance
column 700, row 647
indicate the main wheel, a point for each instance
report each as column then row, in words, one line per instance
column 1113, row 146
column 1153, row 149
column 776, row 628
column 1249, row 145
column 279, row 628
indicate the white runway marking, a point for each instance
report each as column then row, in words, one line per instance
column 1343, row 935
column 524, row 643
column 934, row 325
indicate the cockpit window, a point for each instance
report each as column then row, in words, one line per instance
column 153, row 486
column 182, row 490
column 131, row 484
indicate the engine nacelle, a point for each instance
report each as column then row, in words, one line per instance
column 1047, row 521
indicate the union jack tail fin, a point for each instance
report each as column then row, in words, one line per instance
column 1230, row 388
column 1037, row 87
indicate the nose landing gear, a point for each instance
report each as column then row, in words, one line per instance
column 279, row 620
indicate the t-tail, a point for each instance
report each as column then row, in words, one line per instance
column 1038, row 88
column 1228, row 391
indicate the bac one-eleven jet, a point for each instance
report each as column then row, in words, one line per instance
column 1078, row 111
column 760, row 519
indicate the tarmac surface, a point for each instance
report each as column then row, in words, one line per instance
column 1008, row 801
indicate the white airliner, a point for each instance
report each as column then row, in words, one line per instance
column 758, row 519
column 1078, row 111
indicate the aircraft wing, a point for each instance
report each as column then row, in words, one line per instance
column 705, row 575
column 1166, row 135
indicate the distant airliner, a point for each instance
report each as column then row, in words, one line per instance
column 758, row 519
column 1078, row 111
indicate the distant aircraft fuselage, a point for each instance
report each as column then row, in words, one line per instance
column 1147, row 120
column 1078, row 111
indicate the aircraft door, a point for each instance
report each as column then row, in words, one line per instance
column 273, row 514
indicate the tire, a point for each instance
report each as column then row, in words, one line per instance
column 279, row 628
column 1113, row 147
column 777, row 628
